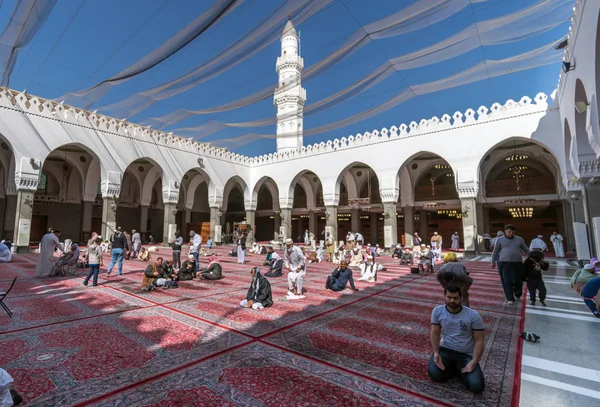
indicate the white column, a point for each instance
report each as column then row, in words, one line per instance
column 469, row 222
column 390, row 224
column 215, row 224
column 110, row 188
column 251, row 223
column 409, row 225
column 331, row 224
column 286, row 223
column 170, row 194
column 26, row 181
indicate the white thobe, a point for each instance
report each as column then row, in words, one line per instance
column 538, row 243
column 368, row 271
column 5, row 382
column 46, row 260
column 455, row 242
column 294, row 260
column 557, row 242
column 5, row 253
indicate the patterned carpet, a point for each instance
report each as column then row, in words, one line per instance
column 194, row 346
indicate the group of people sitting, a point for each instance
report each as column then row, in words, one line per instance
column 161, row 273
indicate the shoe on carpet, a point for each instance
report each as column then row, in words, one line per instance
column 529, row 336
column 511, row 302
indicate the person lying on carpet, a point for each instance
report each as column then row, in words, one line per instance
column 259, row 294
column 462, row 342
column 406, row 258
column 340, row 277
column 188, row 269
column 213, row 271
column 275, row 266
column 455, row 274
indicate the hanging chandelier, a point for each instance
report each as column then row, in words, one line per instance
column 516, row 157
column 521, row 212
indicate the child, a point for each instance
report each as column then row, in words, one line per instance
column 533, row 267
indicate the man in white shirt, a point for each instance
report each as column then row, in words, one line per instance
column 538, row 244
column 294, row 261
column 195, row 244
column 458, row 342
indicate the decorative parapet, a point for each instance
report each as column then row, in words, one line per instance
column 389, row 195
column 468, row 191
column 588, row 169
column 573, row 29
column 25, row 103
column 170, row 192
column 458, row 120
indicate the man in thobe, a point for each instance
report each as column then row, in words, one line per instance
column 294, row 261
column 368, row 270
column 360, row 240
column 455, row 242
column 557, row 242
column 136, row 242
column 195, row 243
column 306, row 238
column 45, row 262
column 436, row 245
column 538, row 244
column 329, row 243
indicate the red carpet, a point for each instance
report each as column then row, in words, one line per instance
column 194, row 346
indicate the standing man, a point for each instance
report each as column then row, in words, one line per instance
column 455, row 242
column 129, row 245
column 195, row 243
column 416, row 240
column 293, row 259
column 330, row 246
column 458, row 342
column 557, row 242
column 45, row 262
column 507, row 255
column 136, row 241
column 119, row 247
column 538, row 244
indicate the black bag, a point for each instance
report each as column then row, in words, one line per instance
column 171, row 284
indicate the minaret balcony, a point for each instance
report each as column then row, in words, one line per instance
column 291, row 60
column 296, row 91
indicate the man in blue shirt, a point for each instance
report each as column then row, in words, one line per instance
column 457, row 341
column 338, row 280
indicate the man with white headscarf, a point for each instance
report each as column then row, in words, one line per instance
column 436, row 245
column 557, row 242
column 294, row 261
column 368, row 270
column 48, row 245
column 538, row 244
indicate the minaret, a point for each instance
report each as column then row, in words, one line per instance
column 290, row 95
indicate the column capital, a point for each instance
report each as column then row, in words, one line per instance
column 286, row 203
column 111, row 185
column 331, row 199
column 170, row 192
column 467, row 190
column 250, row 205
column 27, row 174
column 389, row 195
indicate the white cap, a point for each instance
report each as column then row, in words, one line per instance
column 588, row 267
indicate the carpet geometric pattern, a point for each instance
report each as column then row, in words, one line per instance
column 114, row 345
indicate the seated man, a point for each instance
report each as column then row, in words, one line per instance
column 188, row 269
column 153, row 276
column 68, row 259
column 269, row 257
column 461, row 348
column 275, row 266
column 356, row 258
column 425, row 257
column 368, row 270
column 338, row 280
column 213, row 271
column 455, row 274
column 169, row 274
column 259, row 294
column 209, row 243
column 590, row 292
column 144, row 255
column 397, row 252
column 407, row 258
column 5, row 253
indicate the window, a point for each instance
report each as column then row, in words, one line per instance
column 42, row 184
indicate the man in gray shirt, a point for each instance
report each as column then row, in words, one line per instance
column 458, row 342
column 509, row 258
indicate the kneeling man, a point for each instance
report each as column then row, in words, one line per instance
column 461, row 346
column 259, row 294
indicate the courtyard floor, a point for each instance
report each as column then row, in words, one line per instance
column 68, row 345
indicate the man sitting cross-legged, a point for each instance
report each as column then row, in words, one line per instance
column 340, row 277
column 188, row 269
column 154, row 276
column 407, row 258
column 259, row 294
column 461, row 347
column 214, row 271
column 275, row 266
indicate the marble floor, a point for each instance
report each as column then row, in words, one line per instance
column 563, row 368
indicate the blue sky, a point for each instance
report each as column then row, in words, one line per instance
column 90, row 51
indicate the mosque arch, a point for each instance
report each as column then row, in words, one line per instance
column 235, row 201
column 69, row 179
column 311, row 184
column 266, row 195
column 352, row 175
column 519, row 185
column 232, row 183
column 432, row 178
column 306, row 192
column 190, row 182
